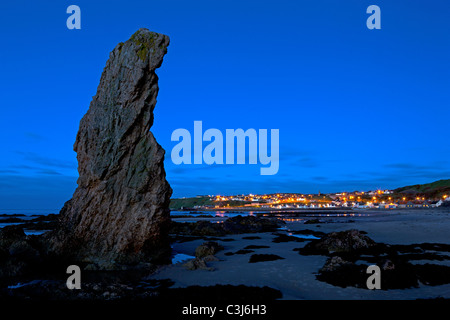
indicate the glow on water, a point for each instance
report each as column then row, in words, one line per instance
column 303, row 236
column 181, row 257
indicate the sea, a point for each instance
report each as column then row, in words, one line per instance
column 28, row 212
column 285, row 215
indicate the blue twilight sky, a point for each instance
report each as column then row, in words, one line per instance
column 356, row 108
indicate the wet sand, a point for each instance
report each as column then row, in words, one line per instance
column 295, row 275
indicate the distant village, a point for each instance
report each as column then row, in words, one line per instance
column 377, row 199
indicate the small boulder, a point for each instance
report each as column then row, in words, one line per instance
column 344, row 241
column 23, row 250
column 208, row 248
column 10, row 235
column 210, row 258
column 196, row 264
column 204, row 253
column 250, row 224
column 387, row 265
column 334, row 263
column 206, row 228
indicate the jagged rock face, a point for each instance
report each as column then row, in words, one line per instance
column 119, row 214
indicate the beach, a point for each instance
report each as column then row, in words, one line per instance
column 247, row 251
column 295, row 274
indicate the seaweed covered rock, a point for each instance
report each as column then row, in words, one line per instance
column 207, row 248
column 204, row 253
column 234, row 225
column 196, row 264
column 19, row 254
column 348, row 249
column 10, row 235
column 334, row 263
column 343, row 241
column 263, row 257
column 250, row 224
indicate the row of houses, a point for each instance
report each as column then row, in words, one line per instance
column 401, row 204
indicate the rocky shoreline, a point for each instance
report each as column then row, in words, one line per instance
column 31, row 223
column 28, row 272
column 346, row 255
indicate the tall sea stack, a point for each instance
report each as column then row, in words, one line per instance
column 119, row 214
